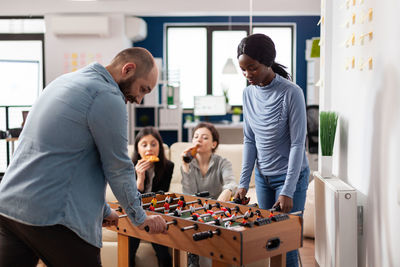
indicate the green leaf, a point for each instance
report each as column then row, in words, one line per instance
column 327, row 131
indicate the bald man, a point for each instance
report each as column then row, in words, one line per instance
column 74, row 142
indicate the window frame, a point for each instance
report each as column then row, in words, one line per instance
column 210, row 27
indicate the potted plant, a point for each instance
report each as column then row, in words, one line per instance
column 188, row 118
column 236, row 112
column 226, row 95
column 327, row 132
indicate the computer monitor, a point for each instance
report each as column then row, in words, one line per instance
column 209, row 105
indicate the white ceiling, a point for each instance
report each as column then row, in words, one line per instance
column 162, row 7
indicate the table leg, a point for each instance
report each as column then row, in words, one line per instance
column 176, row 261
column 278, row 261
column 123, row 250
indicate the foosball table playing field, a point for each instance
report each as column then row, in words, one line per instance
column 228, row 233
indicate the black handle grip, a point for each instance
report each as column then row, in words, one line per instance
column 147, row 228
column 277, row 207
column 202, row 235
column 203, row 194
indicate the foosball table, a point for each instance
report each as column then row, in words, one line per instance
column 228, row 233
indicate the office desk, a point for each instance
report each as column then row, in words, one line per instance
column 229, row 133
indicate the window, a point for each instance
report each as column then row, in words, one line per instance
column 196, row 57
column 21, row 73
column 187, row 62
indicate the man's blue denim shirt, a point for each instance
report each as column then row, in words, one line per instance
column 74, row 141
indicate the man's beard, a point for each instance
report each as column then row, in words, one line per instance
column 125, row 85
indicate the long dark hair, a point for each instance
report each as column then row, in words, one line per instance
column 159, row 166
column 261, row 48
column 212, row 129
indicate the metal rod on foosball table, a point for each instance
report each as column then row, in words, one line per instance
column 194, row 226
column 162, row 201
column 119, row 209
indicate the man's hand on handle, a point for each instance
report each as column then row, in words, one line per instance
column 155, row 224
column 111, row 219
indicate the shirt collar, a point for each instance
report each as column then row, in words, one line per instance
column 271, row 84
column 106, row 75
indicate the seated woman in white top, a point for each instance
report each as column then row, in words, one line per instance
column 207, row 171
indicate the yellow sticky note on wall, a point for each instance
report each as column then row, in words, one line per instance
column 370, row 14
column 315, row 49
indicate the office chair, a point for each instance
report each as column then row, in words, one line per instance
column 312, row 128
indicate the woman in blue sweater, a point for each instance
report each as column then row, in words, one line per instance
column 275, row 126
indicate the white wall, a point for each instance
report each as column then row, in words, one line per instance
column 368, row 102
column 60, row 50
column 162, row 7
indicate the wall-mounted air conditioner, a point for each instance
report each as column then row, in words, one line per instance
column 80, row 25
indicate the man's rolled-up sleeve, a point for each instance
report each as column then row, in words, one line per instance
column 108, row 120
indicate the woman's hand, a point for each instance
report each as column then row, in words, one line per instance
column 225, row 195
column 141, row 167
column 285, row 203
column 240, row 193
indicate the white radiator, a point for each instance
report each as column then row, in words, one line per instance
column 335, row 223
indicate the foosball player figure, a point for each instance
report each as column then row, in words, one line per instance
column 258, row 215
column 180, row 203
column 152, row 207
column 245, row 222
column 271, row 214
column 228, row 224
column 168, row 199
column 166, row 207
column 178, row 211
column 206, row 206
column 154, row 201
column 234, row 215
column 211, row 212
column 248, row 213
column 226, row 211
column 196, row 217
column 191, row 208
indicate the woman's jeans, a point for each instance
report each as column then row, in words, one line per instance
column 268, row 189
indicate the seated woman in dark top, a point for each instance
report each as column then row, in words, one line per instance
column 151, row 176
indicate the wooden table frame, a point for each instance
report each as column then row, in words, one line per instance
column 234, row 246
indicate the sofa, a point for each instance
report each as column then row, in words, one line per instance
column 145, row 255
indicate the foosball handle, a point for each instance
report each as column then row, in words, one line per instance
column 276, row 208
column 205, row 235
column 243, row 201
column 147, row 228
column 203, row 194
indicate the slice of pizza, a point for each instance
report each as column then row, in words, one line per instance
column 152, row 158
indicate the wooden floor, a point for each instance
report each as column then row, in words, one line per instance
column 307, row 253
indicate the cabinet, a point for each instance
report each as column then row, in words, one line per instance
column 153, row 112
column 167, row 120
column 312, row 75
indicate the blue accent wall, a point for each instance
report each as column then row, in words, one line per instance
column 306, row 28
